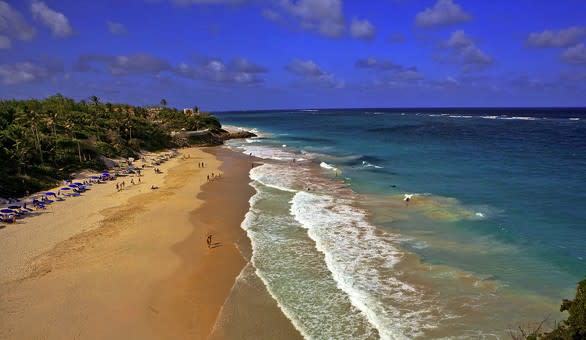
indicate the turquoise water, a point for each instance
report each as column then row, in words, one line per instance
column 494, row 232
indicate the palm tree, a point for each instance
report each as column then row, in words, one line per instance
column 95, row 100
column 163, row 102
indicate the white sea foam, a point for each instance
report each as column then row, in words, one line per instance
column 295, row 276
column 328, row 166
column 460, row 116
column 275, row 176
column 361, row 259
column 575, row 118
column 267, row 152
column 366, row 164
column 518, row 118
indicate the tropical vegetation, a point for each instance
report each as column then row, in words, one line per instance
column 44, row 141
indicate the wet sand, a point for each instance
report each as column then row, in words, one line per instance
column 133, row 264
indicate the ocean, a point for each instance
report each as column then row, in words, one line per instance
column 493, row 235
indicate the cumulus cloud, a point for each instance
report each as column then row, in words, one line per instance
column 25, row 72
column 313, row 74
column 408, row 74
column 122, row 65
column 445, row 83
column 13, row 25
column 389, row 72
column 376, row 64
column 305, row 68
column 362, row 29
column 325, row 17
column 207, row 2
column 116, row 28
column 245, row 65
column 462, row 49
column 237, row 71
column 56, row 21
column 558, row 39
column 4, row 42
column 575, row 55
column 444, row 12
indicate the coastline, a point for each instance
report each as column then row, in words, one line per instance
column 132, row 264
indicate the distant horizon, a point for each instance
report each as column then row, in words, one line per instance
column 415, row 108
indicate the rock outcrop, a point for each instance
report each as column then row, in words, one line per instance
column 208, row 137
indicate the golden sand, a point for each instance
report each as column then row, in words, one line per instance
column 129, row 264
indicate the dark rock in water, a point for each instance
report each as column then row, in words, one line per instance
column 240, row 134
column 208, row 137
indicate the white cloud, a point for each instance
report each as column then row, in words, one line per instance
column 377, row 64
column 313, row 74
column 306, row 68
column 444, row 12
column 56, row 21
column 462, row 49
column 459, row 39
column 238, row 71
column 122, row 65
column 561, row 38
column 575, row 55
column 362, row 29
column 207, row 2
column 4, row 42
column 24, row 72
column 325, row 17
column 13, row 25
column 116, row 28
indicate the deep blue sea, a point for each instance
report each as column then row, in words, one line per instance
column 493, row 234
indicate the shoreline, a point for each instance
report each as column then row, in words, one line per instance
column 133, row 264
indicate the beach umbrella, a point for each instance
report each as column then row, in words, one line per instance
column 65, row 188
column 7, row 211
column 72, row 186
column 14, row 207
column 48, row 193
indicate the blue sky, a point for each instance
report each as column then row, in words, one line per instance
column 258, row 54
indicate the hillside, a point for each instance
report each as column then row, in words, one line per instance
column 44, row 141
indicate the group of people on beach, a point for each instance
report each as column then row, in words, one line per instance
column 213, row 177
column 122, row 185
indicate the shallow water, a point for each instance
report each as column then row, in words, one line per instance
column 492, row 236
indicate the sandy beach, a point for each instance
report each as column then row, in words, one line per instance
column 135, row 263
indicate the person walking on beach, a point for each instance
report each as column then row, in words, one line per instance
column 209, row 240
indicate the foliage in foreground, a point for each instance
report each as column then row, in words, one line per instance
column 573, row 328
column 43, row 141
